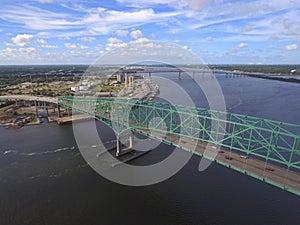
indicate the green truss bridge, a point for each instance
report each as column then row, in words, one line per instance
column 264, row 149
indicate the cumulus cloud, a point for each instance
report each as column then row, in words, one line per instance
column 41, row 41
column 87, row 39
column 22, row 39
column 18, row 54
column 115, row 43
column 18, row 50
column 243, row 45
column 122, row 33
column 291, row 47
column 75, row 46
column 136, row 34
column 49, row 46
column 239, row 47
column 44, row 44
column 140, row 40
column 113, row 40
column 209, row 38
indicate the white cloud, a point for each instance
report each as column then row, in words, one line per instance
column 45, row 1
column 49, row 46
column 82, row 46
column 18, row 54
column 9, row 44
column 75, row 46
column 87, row 39
column 147, row 2
column 239, row 47
column 90, row 22
column 113, row 43
column 113, row 40
column 22, row 39
column 41, row 41
column 69, row 45
column 243, row 45
column 111, row 46
column 140, row 41
column 209, row 38
column 136, row 34
column 44, row 44
column 291, row 47
column 197, row 4
column 38, row 19
column 122, row 33
column 192, row 4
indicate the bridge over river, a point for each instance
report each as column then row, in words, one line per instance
column 264, row 149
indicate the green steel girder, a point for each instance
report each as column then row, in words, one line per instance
column 267, row 139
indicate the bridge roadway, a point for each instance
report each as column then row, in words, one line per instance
column 280, row 177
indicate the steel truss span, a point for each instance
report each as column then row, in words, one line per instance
column 265, row 149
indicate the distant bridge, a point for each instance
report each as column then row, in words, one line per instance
column 265, row 149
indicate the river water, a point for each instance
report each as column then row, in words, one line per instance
column 45, row 180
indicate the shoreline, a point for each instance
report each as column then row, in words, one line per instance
column 142, row 90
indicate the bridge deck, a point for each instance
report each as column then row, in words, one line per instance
column 280, row 177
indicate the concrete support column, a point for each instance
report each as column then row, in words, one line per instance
column 36, row 109
column 118, row 145
column 130, row 141
column 121, row 151
column 58, row 111
column 126, row 80
column 44, row 105
column 179, row 75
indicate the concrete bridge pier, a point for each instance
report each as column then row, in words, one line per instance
column 124, row 151
column 47, row 111
column 36, row 109
column 58, row 111
column 44, row 107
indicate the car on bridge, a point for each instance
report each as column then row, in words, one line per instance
column 269, row 169
column 228, row 157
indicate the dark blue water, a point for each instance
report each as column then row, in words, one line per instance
column 45, row 180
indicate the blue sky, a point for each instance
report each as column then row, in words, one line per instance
column 218, row 31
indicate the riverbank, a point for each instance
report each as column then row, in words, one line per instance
column 70, row 119
column 17, row 115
